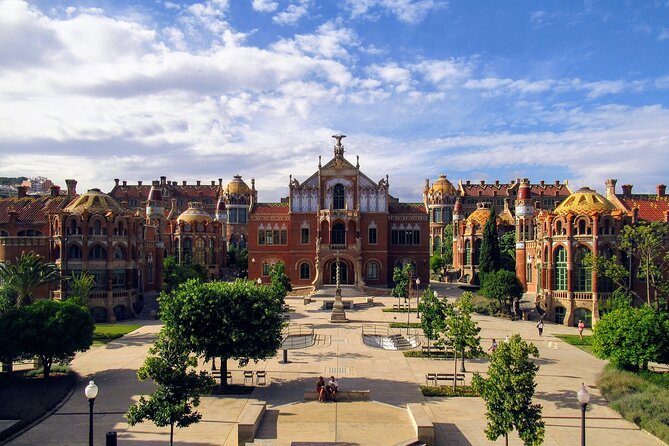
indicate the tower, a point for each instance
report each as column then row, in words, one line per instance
column 155, row 214
column 524, row 229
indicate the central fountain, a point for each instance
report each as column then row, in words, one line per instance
column 338, row 314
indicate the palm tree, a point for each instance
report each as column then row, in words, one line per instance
column 29, row 272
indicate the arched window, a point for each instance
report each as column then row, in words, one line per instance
column 119, row 253
column 97, row 228
column 477, row 251
column 97, row 252
column 581, row 227
column 582, row 274
column 212, row 251
column 199, row 251
column 558, row 228
column 604, row 284
column 187, row 250
column 304, row 271
column 338, row 197
column 73, row 228
column 372, row 271
column 436, row 245
column 338, row 235
column 468, row 252
column 560, row 260
column 73, row 252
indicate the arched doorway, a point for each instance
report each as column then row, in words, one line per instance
column 343, row 272
column 583, row 314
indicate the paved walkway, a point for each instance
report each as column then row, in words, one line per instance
column 392, row 379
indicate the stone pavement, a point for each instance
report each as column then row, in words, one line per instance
column 392, row 379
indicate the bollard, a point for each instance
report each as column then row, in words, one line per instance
column 285, row 356
column 111, row 439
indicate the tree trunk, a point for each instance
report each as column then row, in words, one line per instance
column 172, row 434
column 648, row 279
column 8, row 366
column 506, row 439
column 46, row 365
column 455, row 367
column 224, row 371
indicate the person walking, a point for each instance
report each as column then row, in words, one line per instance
column 581, row 326
column 493, row 346
column 540, row 326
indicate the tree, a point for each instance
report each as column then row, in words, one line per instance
column 8, row 298
column 174, row 274
column 646, row 242
column 437, row 264
column 507, row 249
column 631, row 337
column 280, row 280
column 508, row 392
column 10, row 329
column 53, row 331
column 29, row 272
column 459, row 330
column 503, row 286
column 81, row 285
column 179, row 387
column 401, row 279
column 611, row 269
column 489, row 258
column 447, row 243
column 432, row 315
column 238, row 320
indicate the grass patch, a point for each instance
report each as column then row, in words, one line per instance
column 441, row 355
column 585, row 344
column 638, row 398
column 404, row 325
column 233, row 389
column 27, row 399
column 398, row 310
column 105, row 333
column 448, row 391
column 56, row 368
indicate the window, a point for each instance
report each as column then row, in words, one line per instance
column 372, row 236
column 304, row 236
column 338, row 234
column 100, row 282
column 304, row 271
column 199, row 252
column 118, row 278
column 560, row 259
column 119, row 254
column 232, row 215
column 604, row 284
column 241, row 215
column 468, row 252
column 30, row 233
column 97, row 252
column 405, row 237
column 272, row 237
column 448, row 215
column 560, row 313
column 477, row 251
column 212, row 251
column 583, row 274
column 187, row 251
column 338, row 197
column 372, row 271
column 436, row 215
column 97, row 229
column 436, row 244
column 73, row 252
column 528, row 272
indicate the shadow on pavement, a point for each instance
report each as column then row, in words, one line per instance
column 451, row 435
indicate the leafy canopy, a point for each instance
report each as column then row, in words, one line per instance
column 504, row 287
column 80, row 287
column 26, row 275
column 437, row 263
column 401, row 279
column 489, row 258
column 174, row 274
column 508, row 393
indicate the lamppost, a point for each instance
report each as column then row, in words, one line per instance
column 259, row 281
column 91, row 391
column 418, row 297
column 583, row 399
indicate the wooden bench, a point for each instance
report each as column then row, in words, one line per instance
column 248, row 422
column 400, row 306
column 432, row 349
column 217, row 374
column 342, row 395
column 448, row 377
column 421, row 422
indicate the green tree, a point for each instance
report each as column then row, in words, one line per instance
column 459, row 330
column 631, row 337
column 504, row 287
column 646, row 242
column 401, row 280
column 489, row 258
column 178, row 387
column 238, row 320
column 610, row 268
column 174, row 274
column 432, row 314
column 80, row 287
column 26, row 275
column 280, row 280
column 53, row 331
column 508, row 393
column 447, row 243
column 507, row 249
column 437, row 264
column 10, row 329
column 8, row 298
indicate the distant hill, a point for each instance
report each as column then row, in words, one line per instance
column 11, row 181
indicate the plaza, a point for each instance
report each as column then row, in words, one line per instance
column 392, row 379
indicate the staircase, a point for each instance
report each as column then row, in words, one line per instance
column 400, row 342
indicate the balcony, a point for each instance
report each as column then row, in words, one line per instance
column 583, row 295
column 23, row 241
column 339, row 214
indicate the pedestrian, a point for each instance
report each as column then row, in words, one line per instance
column 506, row 339
column 540, row 326
column 493, row 346
column 320, row 389
column 581, row 326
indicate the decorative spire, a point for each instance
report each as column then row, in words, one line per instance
column 339, row 148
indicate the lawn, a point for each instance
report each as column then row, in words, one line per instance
column 27, row 399
column 585, row 344
column 108, row 332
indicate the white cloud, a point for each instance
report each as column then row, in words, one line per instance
column 408, row 11
column 444, row 73
column 329, row 41
column 664, row 34
column 264, row 5
column 293, row 13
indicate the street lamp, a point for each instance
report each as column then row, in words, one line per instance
column 418, row 297
column 583, row 399
column 259, row 281
column 91, row 391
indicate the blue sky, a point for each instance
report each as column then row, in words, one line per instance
column 489, row 90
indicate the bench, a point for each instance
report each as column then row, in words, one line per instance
column 370, row 300
column 261, row 374
column 448, row 377
column 400, row 306
column 342, row 395
column 421, row 423
column 433, row 349
column 217, row 374
column 328, row 304
column 248, row 422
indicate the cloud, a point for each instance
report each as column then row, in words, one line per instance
column 408, row 11
column 264, row 5
column 293, row 13
column 329, row 41
column 664, row 34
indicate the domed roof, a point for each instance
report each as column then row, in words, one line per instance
column 195, row 213
column 480, row 215
column 585, row 201
column 442, row 186
column 94, row 202
column 237, row 186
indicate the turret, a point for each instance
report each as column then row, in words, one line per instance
column 457, row 211
column 155, row 207
column 221, row 212
column 524, row 228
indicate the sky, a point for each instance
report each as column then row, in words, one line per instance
column 477, row 90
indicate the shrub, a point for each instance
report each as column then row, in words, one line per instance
column 57, row 368
column 448, row 391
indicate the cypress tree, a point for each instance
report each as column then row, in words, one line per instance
column 489, row 258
